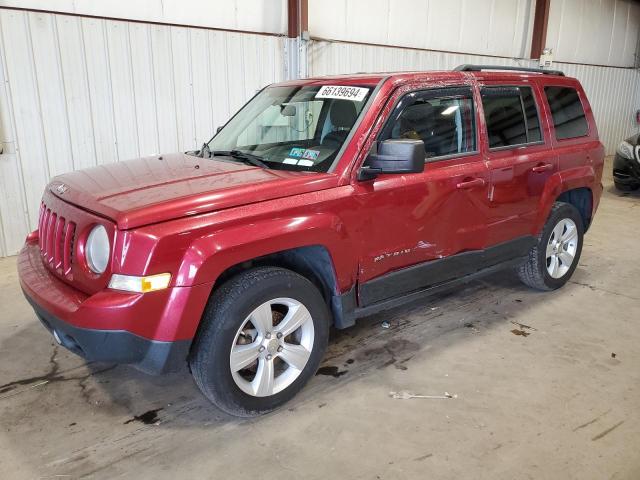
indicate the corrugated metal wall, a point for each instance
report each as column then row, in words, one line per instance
column 603, row 32
column 77, row 92
column 600, row 32
column 483, row 27
column 249, row 15
column 613, row 92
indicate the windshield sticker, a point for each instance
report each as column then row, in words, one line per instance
column 290, row 161
column 355, row 94
column 305, row 163
column 311, row 154
column 296, row 152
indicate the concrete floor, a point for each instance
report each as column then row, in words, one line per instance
column 560, row 402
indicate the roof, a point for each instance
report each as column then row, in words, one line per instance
column 481, row 73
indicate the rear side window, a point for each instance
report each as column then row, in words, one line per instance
column 567, row 112
column 442, row 118
column 511, row 115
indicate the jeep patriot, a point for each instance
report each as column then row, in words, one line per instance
column 322, row 200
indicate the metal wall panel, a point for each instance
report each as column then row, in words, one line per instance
column 613, row 92
column 269, row 16
column 484, row 27
column 84, row 91
column 603, row 32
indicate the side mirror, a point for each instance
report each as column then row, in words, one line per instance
column 394, row 156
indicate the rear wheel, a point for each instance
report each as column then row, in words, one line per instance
column 262, row 337
column 553, row 260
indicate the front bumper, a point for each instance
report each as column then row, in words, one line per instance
column 152, row 331
column 116, row 346
column 625, row 171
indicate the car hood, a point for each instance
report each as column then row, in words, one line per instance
column 154, row 189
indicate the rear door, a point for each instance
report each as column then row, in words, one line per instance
column 519, row 156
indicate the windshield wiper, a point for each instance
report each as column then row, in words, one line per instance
column 249, row 158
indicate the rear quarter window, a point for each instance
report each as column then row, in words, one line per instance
column 568, row 115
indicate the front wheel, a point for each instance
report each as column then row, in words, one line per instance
column 553, row 260
column 263, row 335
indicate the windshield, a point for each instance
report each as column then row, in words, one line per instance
column 293, row 127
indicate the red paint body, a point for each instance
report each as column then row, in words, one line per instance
column 166, row 215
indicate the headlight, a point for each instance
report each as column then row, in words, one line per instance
column 131, row 283
column 625, row 149
column 97, row 249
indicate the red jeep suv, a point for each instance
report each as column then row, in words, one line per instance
column 322, row 200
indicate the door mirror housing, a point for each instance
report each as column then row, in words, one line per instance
column 394, row 156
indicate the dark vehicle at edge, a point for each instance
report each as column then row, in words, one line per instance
column 626, row 165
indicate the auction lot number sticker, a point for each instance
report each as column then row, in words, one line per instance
column 355, row 94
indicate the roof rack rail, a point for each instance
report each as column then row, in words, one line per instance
column 478, row 68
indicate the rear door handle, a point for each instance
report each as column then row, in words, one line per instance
column 543, row 167
column 471, row 183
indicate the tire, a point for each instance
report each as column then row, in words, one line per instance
column 625, row 187
column 227, row 336
column 542, row 272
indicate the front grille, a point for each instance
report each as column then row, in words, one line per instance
column 56, row 236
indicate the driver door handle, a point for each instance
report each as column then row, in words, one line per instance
column 471, row 183
column 542, row 167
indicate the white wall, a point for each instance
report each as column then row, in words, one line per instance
column 600, row 32
column 268, row 16
column 614, row 93
column 603, row 32
column 485, row 27
column 77, row 92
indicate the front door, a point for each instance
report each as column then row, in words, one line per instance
column 415, row 220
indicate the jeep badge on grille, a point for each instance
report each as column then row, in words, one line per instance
column 62, row 188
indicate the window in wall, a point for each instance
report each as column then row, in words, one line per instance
column 568, row 115
column 511, row 116
column 443, row 120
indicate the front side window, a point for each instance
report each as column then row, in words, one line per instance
column 568, row 115
column 443, row 119
column 293, row 127
column 511, row 116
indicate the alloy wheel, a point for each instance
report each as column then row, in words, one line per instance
column 272, row 347
column 562, row 247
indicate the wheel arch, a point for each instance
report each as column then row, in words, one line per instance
column 314, row 262
column 575, row 187
column 582, row 199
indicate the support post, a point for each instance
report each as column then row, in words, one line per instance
column 295, row 45
column 540, row 23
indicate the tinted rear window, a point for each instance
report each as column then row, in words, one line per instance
column 567, row 112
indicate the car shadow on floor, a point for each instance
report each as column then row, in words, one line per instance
column 124, row 395
column 619, row 193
